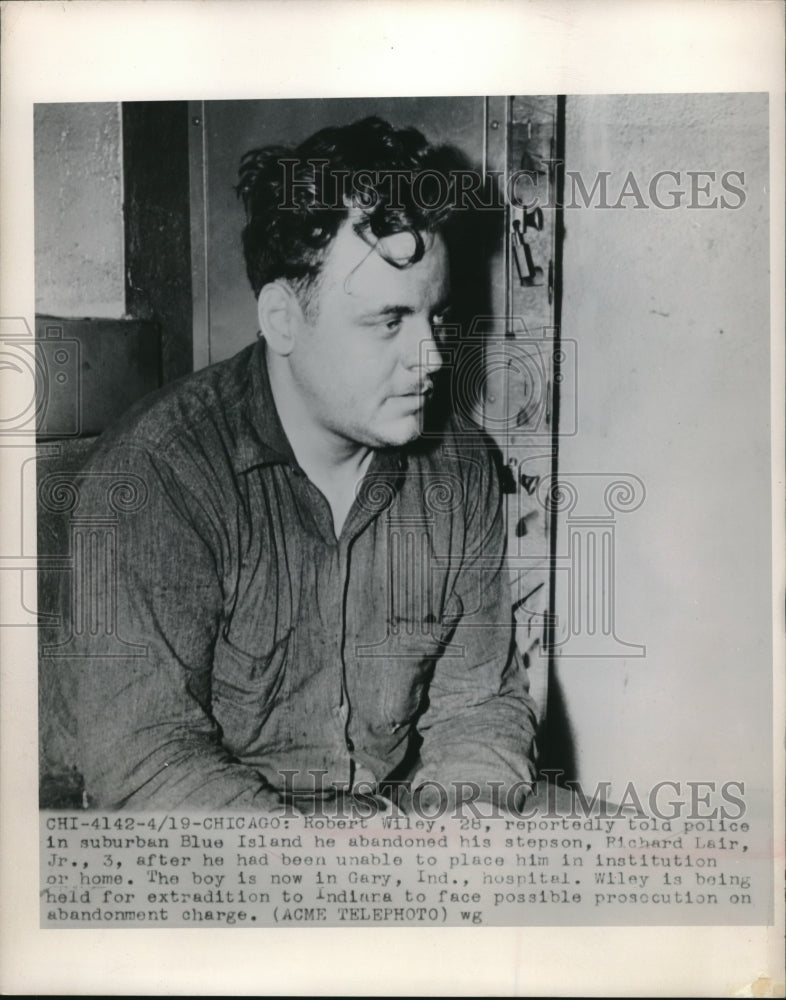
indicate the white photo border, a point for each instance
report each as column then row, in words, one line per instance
column 136, row 50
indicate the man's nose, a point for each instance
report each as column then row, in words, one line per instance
column 427, row 356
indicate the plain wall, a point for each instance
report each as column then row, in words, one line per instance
column 79, row 248
column 669, row 310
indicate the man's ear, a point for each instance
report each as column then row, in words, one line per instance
column 279, row 315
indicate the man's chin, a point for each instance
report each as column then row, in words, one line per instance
column 404, row 432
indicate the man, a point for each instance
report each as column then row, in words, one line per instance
column 309, row 594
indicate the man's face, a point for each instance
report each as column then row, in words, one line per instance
column 365, row 350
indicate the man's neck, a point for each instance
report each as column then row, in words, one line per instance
column 331, row 462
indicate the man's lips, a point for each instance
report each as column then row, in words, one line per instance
column 423, row 389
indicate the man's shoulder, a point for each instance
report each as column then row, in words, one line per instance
column 460, row 444
column 464, row 466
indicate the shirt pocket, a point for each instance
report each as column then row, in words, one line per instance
column 248, row 688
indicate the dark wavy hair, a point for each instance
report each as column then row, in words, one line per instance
column 296, row 199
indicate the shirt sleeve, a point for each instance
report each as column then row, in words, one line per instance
column 141, row 612
column 479, row 728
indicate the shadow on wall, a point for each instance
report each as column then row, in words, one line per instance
column 556, row 740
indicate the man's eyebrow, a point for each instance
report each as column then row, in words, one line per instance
column 390, row 310
column 397, row 310
column 401, row 310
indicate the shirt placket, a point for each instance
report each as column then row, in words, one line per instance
column 382, row 481
column 344, row 705
column 347, row 770
column 343, row 767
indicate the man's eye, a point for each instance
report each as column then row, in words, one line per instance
column 392, row 325
column 441, row 325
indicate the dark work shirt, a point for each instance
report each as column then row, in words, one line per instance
column 220, row 634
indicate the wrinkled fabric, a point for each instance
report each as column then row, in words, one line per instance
column 221, row 643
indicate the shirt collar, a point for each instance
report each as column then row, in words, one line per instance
column 261, row 438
